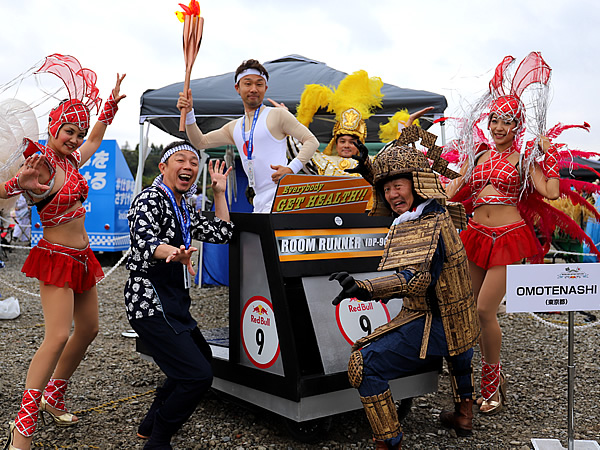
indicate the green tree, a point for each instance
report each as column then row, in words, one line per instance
column 150, row 167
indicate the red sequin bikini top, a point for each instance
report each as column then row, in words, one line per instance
column 501, row 174
column 53, row 210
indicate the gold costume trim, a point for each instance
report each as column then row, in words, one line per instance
column 412, row 244
column 412, row 134
column 355, row 369
column 458, row 214
column 333, row 165
column 383, row 417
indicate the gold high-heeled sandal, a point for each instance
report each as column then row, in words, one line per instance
column 9, row 444
column 496, row 405
column 62, row 420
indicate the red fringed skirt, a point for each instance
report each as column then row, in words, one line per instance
column 60, row 266
column 498, row 246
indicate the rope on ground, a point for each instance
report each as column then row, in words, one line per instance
column 112, row 404
column 55, row 446
column 557, row 324
column 561, row 252
column 119, row 262
column 43, row 444
column 15, row 246
column 35, row 295
column 22, row 291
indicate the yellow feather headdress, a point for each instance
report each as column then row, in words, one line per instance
column 389, row 131
column 352, row 102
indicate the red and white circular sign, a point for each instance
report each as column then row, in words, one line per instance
column 356, row 318
column 259, row 333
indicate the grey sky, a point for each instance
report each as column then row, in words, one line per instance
column 447, row 47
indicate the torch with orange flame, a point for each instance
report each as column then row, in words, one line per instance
column 192, row 36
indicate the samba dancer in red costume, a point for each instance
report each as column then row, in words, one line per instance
column 505, row 189
column 63, row 261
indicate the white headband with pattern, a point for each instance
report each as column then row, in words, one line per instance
column 170, row 152
column 250, row 72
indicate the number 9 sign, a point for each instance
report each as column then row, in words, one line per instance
column 356, row 319
column 259, row 333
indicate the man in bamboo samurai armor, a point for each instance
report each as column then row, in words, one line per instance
column 439, row 316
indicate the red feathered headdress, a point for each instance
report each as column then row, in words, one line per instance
column 83, row 93
column 507, row 103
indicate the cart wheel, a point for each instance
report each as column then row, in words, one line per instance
column 403, row 408
column 310, row 431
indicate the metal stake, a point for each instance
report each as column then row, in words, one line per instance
column 571, row 382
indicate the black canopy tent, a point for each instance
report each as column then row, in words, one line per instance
column 581, row 173
column 216, row 102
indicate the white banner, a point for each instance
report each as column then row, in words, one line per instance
column 552, row 287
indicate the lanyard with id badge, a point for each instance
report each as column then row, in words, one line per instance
column 250, row 146
column 185, row 225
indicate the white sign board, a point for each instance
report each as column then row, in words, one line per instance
column 259, row 332
column 552, row 287
column 356, row 318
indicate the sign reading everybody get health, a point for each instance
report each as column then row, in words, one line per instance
column 552, row 287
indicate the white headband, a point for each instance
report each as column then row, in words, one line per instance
column 249, row 72
column 169, row 152
column 159, row 179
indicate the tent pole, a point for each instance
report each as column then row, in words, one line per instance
column 204, row 185
column 201, row 249
column 442, row 128
column 141, row 161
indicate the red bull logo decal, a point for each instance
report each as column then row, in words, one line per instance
column 258, row 332
column 260, row 310
column 260, row 320
column 359, row 306
column 258, row 315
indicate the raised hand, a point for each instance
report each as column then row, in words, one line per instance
column 363, row 155
column 349, row 288
column 185, row 102
column 30, row 174
column 218, row 175
column 116, row 92
column 414, row 116
column 278, row 105
column 544, row 143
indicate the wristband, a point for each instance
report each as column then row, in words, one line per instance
column 551, row 162
column 12, row 187
column 109, row 111
column 190, row 117
column 32, row 197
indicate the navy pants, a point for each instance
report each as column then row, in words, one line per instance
column 185, row 360
column 396, row 354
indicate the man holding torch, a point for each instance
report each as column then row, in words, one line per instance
column 259, row 135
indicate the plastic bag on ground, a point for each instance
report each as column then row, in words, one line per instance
column 9, row 308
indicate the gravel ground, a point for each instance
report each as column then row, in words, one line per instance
column 113, row 387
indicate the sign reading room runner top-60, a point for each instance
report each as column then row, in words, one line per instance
column 300, row 245
column 552, row 287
